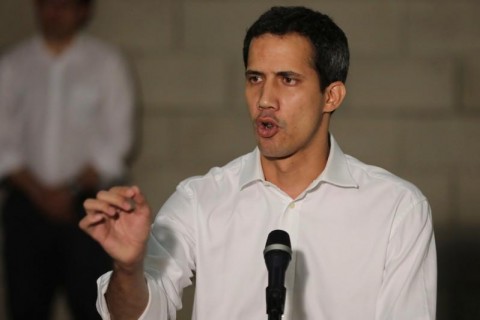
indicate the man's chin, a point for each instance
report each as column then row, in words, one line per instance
column 271, row 154
column 59, row 33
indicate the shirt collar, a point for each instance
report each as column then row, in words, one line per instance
column 336, row 171
column 252, row 169
column 77, row 43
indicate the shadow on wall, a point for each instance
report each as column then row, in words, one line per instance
column 458, row 275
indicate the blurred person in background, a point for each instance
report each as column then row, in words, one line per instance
column 66, row 109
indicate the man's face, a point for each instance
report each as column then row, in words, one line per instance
column 60, row 19
column 283, row 94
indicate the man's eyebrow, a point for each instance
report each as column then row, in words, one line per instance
column 289, row 74
column 253, row 73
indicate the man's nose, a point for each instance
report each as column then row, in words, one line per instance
column 268, row 96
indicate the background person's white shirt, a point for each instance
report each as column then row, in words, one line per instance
column 362, row 240
column 59, row 114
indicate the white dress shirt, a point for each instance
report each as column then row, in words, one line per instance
column 362, row 240
column 61, row 113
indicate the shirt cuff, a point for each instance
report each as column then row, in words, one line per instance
column 157, row 306
column 157, row 310
column 102, row 285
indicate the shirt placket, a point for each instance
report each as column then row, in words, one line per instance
column 290, row 223
column 54, row 120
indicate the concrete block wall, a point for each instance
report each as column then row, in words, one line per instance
column 413, row 104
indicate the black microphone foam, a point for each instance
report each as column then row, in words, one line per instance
column 278, row 237
column 277, row 253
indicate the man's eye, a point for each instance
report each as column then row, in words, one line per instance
column 254, row 79
column 289, row 80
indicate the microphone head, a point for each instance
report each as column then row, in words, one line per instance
column 278, row 240
column 277, row 254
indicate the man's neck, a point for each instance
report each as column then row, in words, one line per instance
column 57, row 46
column 295, row 173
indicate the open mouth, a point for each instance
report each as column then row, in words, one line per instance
column 266, row 128
column 267, row 125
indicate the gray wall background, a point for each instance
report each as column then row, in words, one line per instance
column 413, row 104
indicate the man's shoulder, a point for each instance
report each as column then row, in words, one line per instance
column 372, row 176
column 19, row 51
column 224, row 176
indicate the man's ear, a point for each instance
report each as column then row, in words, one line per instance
column 334, row 95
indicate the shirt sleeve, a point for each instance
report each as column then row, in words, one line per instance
column 171, row 251
column 10, row 125
column 169, row 262
column 410, row 276
column 115, row 134
column 156, row 298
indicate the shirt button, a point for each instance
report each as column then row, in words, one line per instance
column 292, row 205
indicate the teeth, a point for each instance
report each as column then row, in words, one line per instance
column 268, row 125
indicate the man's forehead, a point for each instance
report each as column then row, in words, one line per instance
column 287, row 49
column 272, row 41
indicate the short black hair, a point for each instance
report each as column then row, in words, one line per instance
column 330, row 45
column 86, row 3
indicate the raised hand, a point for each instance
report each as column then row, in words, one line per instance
column 119, row 219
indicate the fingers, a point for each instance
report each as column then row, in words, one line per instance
column 91, row 220
column 110, row 204
column 119, row 197
column 99, row 206
column 138, row 197
column 133, row 204
column 114, row 200
column 132, row 195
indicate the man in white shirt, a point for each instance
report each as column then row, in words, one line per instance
column 66, row 105
column 362, row 238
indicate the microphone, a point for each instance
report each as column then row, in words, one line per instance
column 277, row 253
